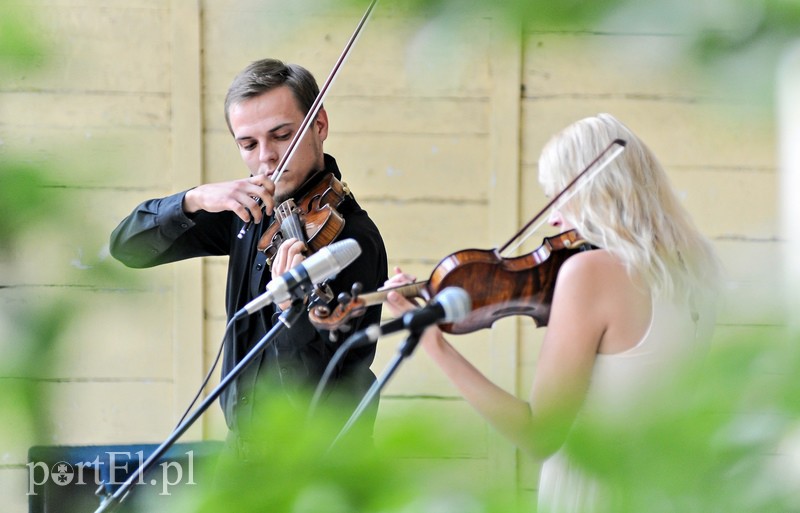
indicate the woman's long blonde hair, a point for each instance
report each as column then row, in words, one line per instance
column 629, row 208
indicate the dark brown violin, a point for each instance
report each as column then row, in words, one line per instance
column 312, row 217
column 522, row 285
column 498, row 287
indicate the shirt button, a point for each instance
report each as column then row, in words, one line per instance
column 244, row 399
column 184, row 225
column 259, row 267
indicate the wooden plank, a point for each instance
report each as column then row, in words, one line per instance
column 613, row 64
column 59, row 110
column 504, row 220
column 99, row 157
column 393, row 115
column 122, row 334
column 112, row 412
column 719, row 199
column 187, row 163
column 419, row 376
column 96, row 413
column 14, row 487
column 682, row 135
column 215, row 279
column 396, row 55
column 724, row 202
column 447, row 228
column 85, row 40
column 415, row 166
column 755, row 303
column 221, row 158
column 751, row 259
column 75, row 251
column 388, row 166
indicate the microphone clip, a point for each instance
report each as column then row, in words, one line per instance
column 322, row 295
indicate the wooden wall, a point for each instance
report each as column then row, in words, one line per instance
column 437, row 125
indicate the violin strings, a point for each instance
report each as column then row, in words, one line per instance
column 566, row 194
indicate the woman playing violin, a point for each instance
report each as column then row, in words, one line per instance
column 623, row 317
column 265, row 105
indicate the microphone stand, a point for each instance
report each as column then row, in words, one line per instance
column 403, row 351
column 287, row 319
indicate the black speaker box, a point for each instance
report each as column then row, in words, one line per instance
column 67, row 479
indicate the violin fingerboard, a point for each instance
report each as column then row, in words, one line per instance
column 291, row 225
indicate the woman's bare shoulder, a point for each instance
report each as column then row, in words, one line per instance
column 595, row 266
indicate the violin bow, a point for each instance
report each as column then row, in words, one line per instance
column 315, row 107
column 611, row 152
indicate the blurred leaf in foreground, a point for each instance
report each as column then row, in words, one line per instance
column 300, row 469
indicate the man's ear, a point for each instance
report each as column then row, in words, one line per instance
column 321, row 124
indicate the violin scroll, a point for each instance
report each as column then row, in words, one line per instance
column 355, row 304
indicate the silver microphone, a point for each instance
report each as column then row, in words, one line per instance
column 452, row 304
column 322, row 265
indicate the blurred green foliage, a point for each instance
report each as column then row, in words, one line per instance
column 734, row 45
column 762, row 20
column 21, row 184
column 736, row 23
column 31, row 338
column 20, row 45
column 30, row 327
column 721, row 438
column 556, row 13
column 24, row 199
column 302, row 467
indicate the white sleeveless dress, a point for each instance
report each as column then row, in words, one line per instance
column 619, row 382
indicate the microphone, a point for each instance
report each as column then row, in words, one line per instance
column 450, row 305
column 322, row 265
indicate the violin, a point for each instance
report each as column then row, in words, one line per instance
column 312, row 217
column 498, row 287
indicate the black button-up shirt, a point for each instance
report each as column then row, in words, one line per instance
column 158, row 232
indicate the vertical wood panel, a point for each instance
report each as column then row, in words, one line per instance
column 187, row 162
column 504, row 219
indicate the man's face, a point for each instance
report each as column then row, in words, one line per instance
column 264, row 125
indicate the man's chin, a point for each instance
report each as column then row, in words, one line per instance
column 284, row 193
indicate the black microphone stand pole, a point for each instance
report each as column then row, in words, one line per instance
column 403, row 351
column 287, row 318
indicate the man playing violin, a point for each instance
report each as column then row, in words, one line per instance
column 624, row 319
column 264, row 108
